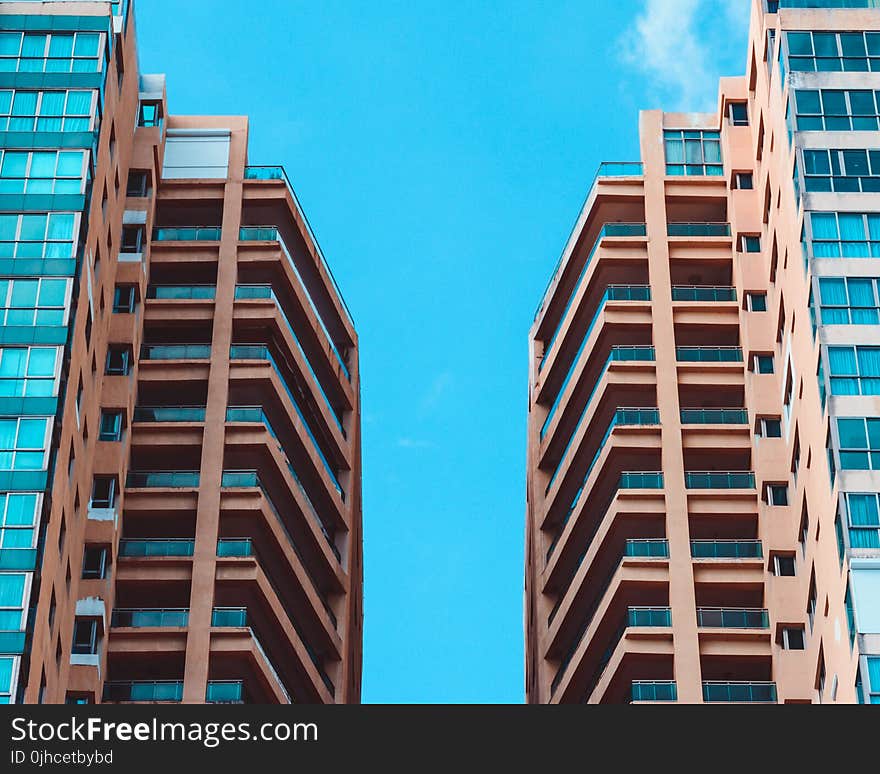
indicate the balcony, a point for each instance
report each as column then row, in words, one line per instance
column 653, row 690
column 181, row 292
column 743, row 692
column 187, row 234
column 618, row 354
column 719, row 480
column 176, row 352
column 163, row 480
column 225, row 692
column 173, row 547
column 638, row 230
column 169, row 414
column 708, row 294
column 726, row 549
column 265, row 292
column 698, row 229
column 144, row 618
column 143, row 690
column 732, row 618
column 649, row 616
column 709, row 354
column 714, row 417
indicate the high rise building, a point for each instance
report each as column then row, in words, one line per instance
column 704, row 426
column 180, row 508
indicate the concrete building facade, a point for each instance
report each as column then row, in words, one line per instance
column 179, row 395
column 702, row 500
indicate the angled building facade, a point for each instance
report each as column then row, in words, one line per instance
column 702, row 517
column 179, row 395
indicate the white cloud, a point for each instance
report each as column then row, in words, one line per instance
column 435, row 392
column 678, row 45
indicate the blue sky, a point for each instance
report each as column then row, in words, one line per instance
column 441, row 152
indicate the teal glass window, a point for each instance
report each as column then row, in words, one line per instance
column 29, row 371
column 24, row 443
column 849, row 301
column 863, row 518
column 836, row 110
column 693, row 153
column 854, row 370
column 859, row 441
column 60, row 52
column 43, row 172
column 13, row 602
column 8, row 666
column 757, row 302
column 32, row 302
column 833, row 51
column 842, row 171
column 50, row 235
column 19, row 519
column 845, row 234
column 111, row 426
column 47, row 111
column 763, row 364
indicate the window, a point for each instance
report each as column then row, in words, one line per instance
column 738, row 113
column 743, row 181
column 836, row 110
column 756, row 302
column 133, row 239
column 849, row 301
column 842, row 171
column 46, row 111
column 859, row 441
column 762, row 364
column 33, row 302
column 794, row 638
column 750, row 244
column 85, row 637
column 854, row 370
column 14, row 593
column 150, row 114
column 874, row 679
column 124, row 299
column 783, row 565
column 804, row 529
column 38, row 236
column 812, row 600
column 111, row 426
column 29, row 371
column 103, row 492
column 845, row 235
column 24, row 443
column 820, row 675
column 693, row 153
column 118, row 360
column 19, row 514
column 33, row 52
column 79, row 698
column 777, row 494
column 841, row 543
column 43, row 172
column 833, row 51
column 94, row 562
column 863, row 519
column 138, row 184
column 769, row 427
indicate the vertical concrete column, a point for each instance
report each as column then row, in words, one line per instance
column 681, row 578
column 198, row 644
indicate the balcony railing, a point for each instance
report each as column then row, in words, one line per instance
column 143, row 618
column 608, row 230
column 653, row 690
column 732, row 618
column 726, row 549
column 649, row 616
column 229, row 617
column 612, row 293
column 620, row 169
column 709, row 354
column 617, row 355
column 235, row 547
column 143, row 690
column 182, row 292
column 187, row 234
column 169, row 414
column 640, row 480
column 176, row 479
column 764, row 692
column 278, row 173
column 699, row 293
column 176, row 352
column 714, row 417
column 698, row 229
column 650, row 548
column 151, row 548
column 266, row 292
column 225, row 692
column 719, row 480
column 261, row 352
